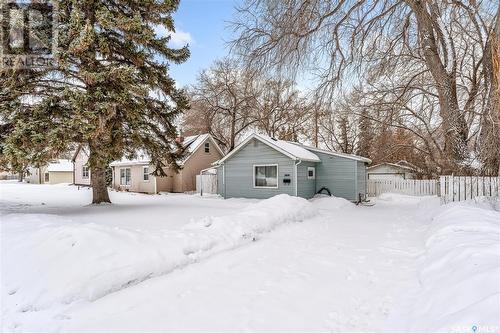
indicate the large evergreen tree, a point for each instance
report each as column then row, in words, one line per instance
column 110, row 88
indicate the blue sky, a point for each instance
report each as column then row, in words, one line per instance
column 203, row 24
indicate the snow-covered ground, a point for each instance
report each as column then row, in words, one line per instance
column 186, row 263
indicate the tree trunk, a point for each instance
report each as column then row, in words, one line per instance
column 454, row 125
column 490, row 122
column 233, row 131
column 99, row 186
column 98, row 165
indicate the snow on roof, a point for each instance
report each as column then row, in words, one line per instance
column 190, row 143
column 292, row 150
column 393, row 165
column 333, row 153
column 80, row 147
column 142, row 158
column 60, row 165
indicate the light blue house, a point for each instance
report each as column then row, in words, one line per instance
column 261, row 167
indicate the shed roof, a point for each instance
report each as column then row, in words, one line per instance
column 394, row 165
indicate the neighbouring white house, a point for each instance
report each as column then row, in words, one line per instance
column 388, row 171
column 134, row 175
column 56, row 172
column 81, row 169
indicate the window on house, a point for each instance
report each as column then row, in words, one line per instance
column 125, row 176
column 46, row 176
column 85, row 172
column 145, row 174
column 207, row 147
column 266, row 176
column 311, row 173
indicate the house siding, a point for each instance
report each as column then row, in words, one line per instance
column 239, row 172
column 306, row 187
column 36, row 174
column 338, row 174
column 185, row 179
column 220, row 180
column 165, row 184
column 389, row 172
column 137, row 183
column 361, row 171
column 59, row 177
column 81, row 160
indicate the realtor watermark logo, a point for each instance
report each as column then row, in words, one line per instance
column 28, row 34
column 475, row 329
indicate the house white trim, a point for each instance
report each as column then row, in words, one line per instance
column 313, row 169
column 130, row 179
column 143, row 174
column 266, row 165
column 268, row 143
column 202, row 144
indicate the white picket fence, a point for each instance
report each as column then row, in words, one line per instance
column 375, row 187
column 207, row 182
column 449, row 188
column 454, row 188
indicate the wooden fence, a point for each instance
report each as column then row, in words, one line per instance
column 375, row 187
column 454, row 188
column 207, row 183
column 449, row 188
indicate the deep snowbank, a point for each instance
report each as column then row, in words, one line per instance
column 460, row 271
column 48, row 261
column 325, row 202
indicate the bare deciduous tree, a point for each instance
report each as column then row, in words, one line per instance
column 228, row 101
column 223, row 100
column 441, row 43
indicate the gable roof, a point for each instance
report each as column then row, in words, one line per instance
column 393, row 165
column 77, row 151
column 292, row 150
column 60, row 165
column 329, row 152
column 191, row 144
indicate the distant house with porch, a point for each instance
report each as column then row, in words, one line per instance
column 261, row 167
column 135, row 174
column 391, row 171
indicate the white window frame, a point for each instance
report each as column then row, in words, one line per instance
column 314, row 172
column 207, row 147
column 46, row 177
column 144, row 174
column 130, row 178
column 85, row 167
column 266, row 165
